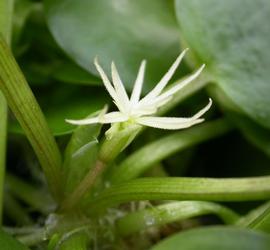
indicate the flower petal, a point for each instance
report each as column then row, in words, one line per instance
column 119, row 87
column 171, row 123
column 107, row 118
column 108, row 85
column 165, row 79
column 176, row 88
column 137, row 89
column 174, row 122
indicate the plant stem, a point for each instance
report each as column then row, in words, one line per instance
column 156, row 151
column 84, row 186
column 110, row 149
column 6, row 12
column 178, row 188
column 26, row 109
column 171, row 212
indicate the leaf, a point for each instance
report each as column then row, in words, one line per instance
column 67, row 102
column 258, row 218
column 22, row 10
column 253, row 132
column 80, row 154
column 171, row 212
column 124, row 31
column 71, row 73
column 24, row 106
column 9, row 243
column 232, row 39
column 212, row 238
column 148, row 155
column 186, row 188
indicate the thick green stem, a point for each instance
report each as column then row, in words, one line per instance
column 109, row 150
column 177, row 188
column 171, row 212
column 84, row 186
column 26, row 109
column 6, row 12
column 141, row 160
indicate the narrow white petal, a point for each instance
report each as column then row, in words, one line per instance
column 107, row 118
column 119, row 87
column 177, row 87
column 204, row 110
column 168, row 123
column 83, row 121
column 143, row 111
column 109, row 86
column 113, row 117
column 165, row 79
column 137, row 89
column 105, row 80
column 174, row 122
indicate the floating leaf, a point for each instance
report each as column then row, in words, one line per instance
column 212, row 238
column 123, row 31
column 232, row 38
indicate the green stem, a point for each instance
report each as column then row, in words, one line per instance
column 109, row 150
column 177, row 188
column 137, row 163
column 26, row 109
column 114, row 145
column 84, row 186
column 171, row 212
column 6, row 12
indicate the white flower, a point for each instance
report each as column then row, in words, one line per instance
column 140, row 111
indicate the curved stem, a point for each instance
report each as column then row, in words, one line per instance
column 84, row 186
column 141, row 160
column 177, row 188
column 171, row 212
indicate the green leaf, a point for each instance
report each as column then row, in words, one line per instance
column 232, row 39
column 27, row 111
column 71, row 73
column 171, row 212
column 80, row 155
column 258, row 218
column 186, row 188
column 125, row 32
column 9, row 243
column 22, row 10
column 253, row 132
column 212, row 238
column 150, row 154
column 67, row 102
